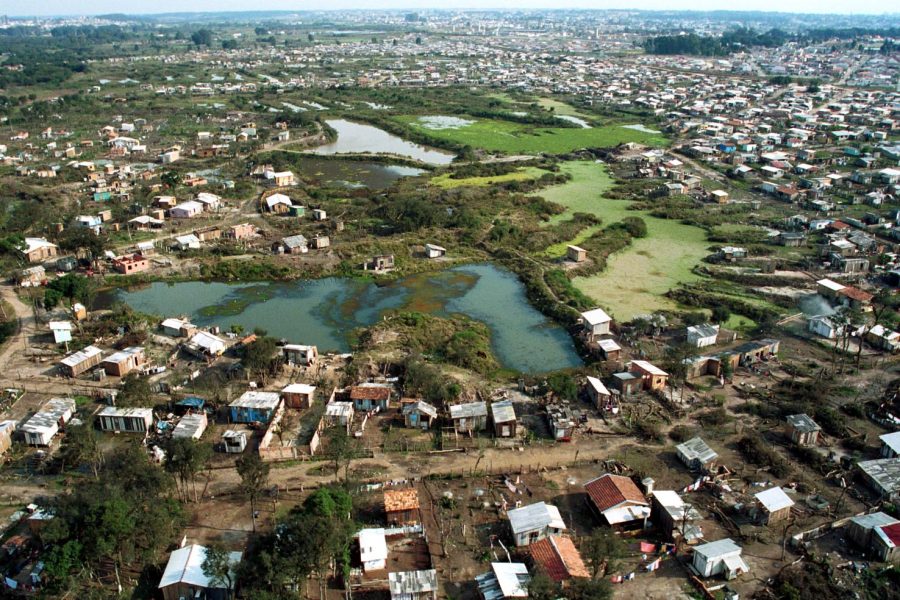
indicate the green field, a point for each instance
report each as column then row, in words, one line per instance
column 637, row 278
column 739, row 323
column 516, row 138
column 524, row 174
column 558, row 250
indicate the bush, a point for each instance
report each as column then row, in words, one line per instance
column 757, row 451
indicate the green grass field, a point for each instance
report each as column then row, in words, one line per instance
column 524, row 174
column 516, row 138
column 637, row 278
column 739, row 323
column 558, row 250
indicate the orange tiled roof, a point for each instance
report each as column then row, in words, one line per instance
column 558, row 557
column 611, row 490
column 370, row 392
column 398, row 500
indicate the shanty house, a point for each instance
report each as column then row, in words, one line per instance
column 373, row 550
column 413, row 585
column 38, row 250
column 535, row 522
column 885, row 543
column 890, row 444
column 401, row 507
column 278, row 203
column 78, row 362
column 696, row 454
column 235, row 441
column 802, row 430
column 254, row 407
column 596, row 323
column 434, row 251
column 62, row 331
column 419, row 414
column 124, row 362
column 576, row 254
column 774, row 505
column 127, row 420
column 597, row 392
column 882, row 475
column 299, row 354
column 298, row 395
column 628, row 384
column 178, row 328
column 653, row 377
column 186, row 210
column 700, row 336
column 558, row 558
column 617, row 500
column 469, row 418
column 184, row 578
column 674, row 517
column 609, row 349
column 339, row 413
column 860, row 529
column 719, row 557
column 46, row 423
column 505, row 581
column 191, row 426
column 370, row 396
column 205, row 345
column 503, row 416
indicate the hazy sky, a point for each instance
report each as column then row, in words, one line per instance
column 68, row 7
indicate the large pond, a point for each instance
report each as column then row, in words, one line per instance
column 355, row 138
column 324, row 311
column 354, row 173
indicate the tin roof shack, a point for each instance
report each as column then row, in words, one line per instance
column 339, row 414
column 254, row 407
column 125, row 361
column 184, row 577
column 722, row 557
column 503, row 415
column 609, row 349
column 413, row 585
column 860, row 530
column 78, row 362
column 756, row 350
column 653, row 377
column 401, row 507
column 627, row 384
column 38, row 250
column 674, row 517
column 504, row 580
column 696, row 454
column 774, row 505
column 802, row 430
column 191, row 426
column 373, row 550
column 617, row 501
column 558, row 558
column 6, row 432
column 46, row 423
column 383, row 262
column 127, row 420
column 700, row 336
column 890, row 444
column 62, row 331
column 434, row 251
column 469, row 418
column 370, row 396
column 535, row 522
column 596, row 323
column 885, row 542
column 562, row 422
column 298, row 354
column 205, row 346
column 178, row 328
column 298, row 395
column 883, row 476
column 235, row 441
column 419, row 414
column 598, row 393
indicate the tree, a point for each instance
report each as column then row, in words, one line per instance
column 254, row 475
column 185, row 458
column 82, row 239
column 217, row 566
column 170, row 179
column 589, row 589
column 134, row 391
column 602, row 549
column 258, row 357
column 563, row 386
column 202, row 37
column 229, row 44
column 720, row 313
column 79, row 446
column 541, row 587
column 340, row 447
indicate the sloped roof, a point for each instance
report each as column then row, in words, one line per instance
column 370, row 392
column 774, row 499
column 503, row 411
column 596, row 316
column 608, row 491
column 412, row 582
column 535, row 516
column 397, row 500
column 186, row 566
column 558, row 557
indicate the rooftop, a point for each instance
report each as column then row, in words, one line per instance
column 257, row 399
column 609, row 491
column 471, row 409
column 717, row 548
column 535, row 516
column 596, row 316
column 370, row 391
column 697, row 449
column 400, row 500
column 503, row 411
column 558, row 558
column 505, row 580
column 885, row 472
column 803, row 423
column 774, row 499
column 413, row 582
column 186, row 566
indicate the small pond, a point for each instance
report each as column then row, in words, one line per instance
column 356, row 138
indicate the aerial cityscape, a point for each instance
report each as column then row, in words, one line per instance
column 447, row 302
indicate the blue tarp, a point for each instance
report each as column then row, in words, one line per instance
column 192, row 402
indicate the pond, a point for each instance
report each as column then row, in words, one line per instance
column 354, row 138
column 571, row 119
column 324, row 311
column 353, row 173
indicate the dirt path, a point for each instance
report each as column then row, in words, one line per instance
column 27, row 327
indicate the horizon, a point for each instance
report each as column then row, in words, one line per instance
column 203, row 7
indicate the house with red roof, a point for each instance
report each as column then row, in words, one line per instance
column 617, row 501
column 558, row 558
